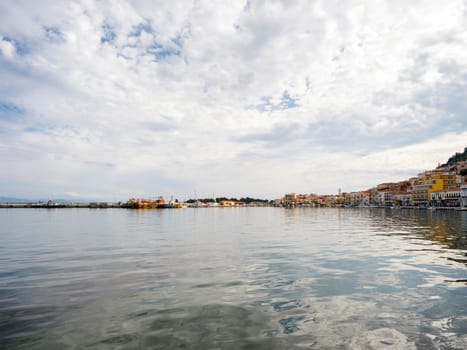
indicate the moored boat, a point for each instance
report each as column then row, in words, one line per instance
column 145, row 203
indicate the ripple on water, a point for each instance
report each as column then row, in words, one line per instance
column 382, row 338
column 203, row 327
column 261, row 278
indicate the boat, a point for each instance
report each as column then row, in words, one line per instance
column 145, row 203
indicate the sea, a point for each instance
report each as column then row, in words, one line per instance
column 233, row 278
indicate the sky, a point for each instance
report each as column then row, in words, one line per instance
column 119, row 99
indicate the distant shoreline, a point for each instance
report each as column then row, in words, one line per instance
column 125, row 206
column 61, row 205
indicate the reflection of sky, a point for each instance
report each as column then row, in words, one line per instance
column 326, row 277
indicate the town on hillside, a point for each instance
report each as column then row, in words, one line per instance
column 442, row 188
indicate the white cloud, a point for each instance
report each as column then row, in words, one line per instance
column 7, row 49
column 199, row 94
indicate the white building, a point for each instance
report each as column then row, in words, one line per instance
column 403, row 199
column 449, row 198
column 385, row 198
column 464, row 195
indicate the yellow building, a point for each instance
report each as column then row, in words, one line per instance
column 431, row 181
column 291, row 199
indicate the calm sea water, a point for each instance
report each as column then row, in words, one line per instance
column 238, row 278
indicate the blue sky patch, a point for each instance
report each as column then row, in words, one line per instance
column 163, row 53
column 109, row 34
column 10, row 108
column 53, row 34
column 160, row 50
column 21, row 47
column 32, row 129
column 178, row 40
column 286, row 102
column 181, row 36
column 142, row 27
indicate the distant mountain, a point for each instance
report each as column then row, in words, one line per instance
column 13, row 200
column 55, row 200
column 455, row 158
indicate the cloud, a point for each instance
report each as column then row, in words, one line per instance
column 256, row 97
column 7, row 49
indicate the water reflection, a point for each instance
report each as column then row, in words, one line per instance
column 233, row 279
column 203, row 327
column 448, row 228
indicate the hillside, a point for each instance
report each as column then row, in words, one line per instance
column 455, row 158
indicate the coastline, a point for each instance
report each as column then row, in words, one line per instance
column 121, row 205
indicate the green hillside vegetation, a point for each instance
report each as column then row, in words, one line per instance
column 456, row 158
column 246, row 200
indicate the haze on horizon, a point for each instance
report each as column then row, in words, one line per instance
column 113, row 99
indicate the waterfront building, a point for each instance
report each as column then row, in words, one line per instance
column 329, row 200
column 291, row 199
column 339, row 199
column 449, row 198
column 431, row 181
column 392, row 193
column 365, row 200
column 306, row 199
column 230, row 203
column 459, row 179
column 373, row 196
column 352, row 198
column 402, row 198
column 278, row 202
column 464, row 195
column 358, row 198
column 385, row 198
column 420, row 193
column 303, row 200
